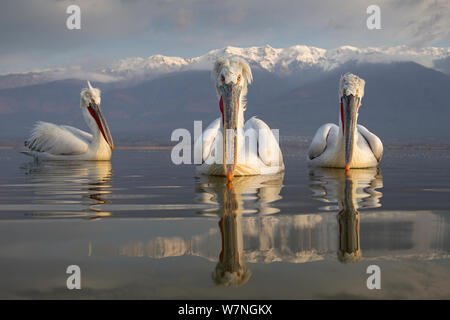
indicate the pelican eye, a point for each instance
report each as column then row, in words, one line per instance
column 239, row 78
column 222, row 78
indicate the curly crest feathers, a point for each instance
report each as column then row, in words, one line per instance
column 234, row 66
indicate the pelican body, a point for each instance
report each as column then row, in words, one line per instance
column 49, row 141
column 347, row 145
column 229, row 146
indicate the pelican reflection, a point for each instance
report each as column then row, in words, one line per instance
column 80, row 187
column 351, row 191
column 254, row 194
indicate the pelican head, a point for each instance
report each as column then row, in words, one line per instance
column 232, row 75
column 90, row 101
column 351, row 91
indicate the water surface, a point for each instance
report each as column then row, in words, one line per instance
column 140, row 227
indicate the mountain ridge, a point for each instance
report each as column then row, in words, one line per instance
column 282, row 61
column 403, row 101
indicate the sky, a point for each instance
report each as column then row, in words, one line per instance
column 34, row 36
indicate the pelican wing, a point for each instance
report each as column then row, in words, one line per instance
column 208, row 139
column 320, row 140
column 83, row 135
column 268, row 149
column 373, row 141
column 54, row 139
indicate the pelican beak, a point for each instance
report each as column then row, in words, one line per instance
column 230, row 94
column 96, row 113
column 350, row 106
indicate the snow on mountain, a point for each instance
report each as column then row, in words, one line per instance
column 282, row 61
column 137, row 67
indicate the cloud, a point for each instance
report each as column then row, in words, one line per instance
column 36, row 31
column 427, row 22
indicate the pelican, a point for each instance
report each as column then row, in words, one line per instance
column 261, row 155
column 49, row 141
column 348, row 145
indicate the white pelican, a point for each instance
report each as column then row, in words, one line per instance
column 49, row 141
column 348, row 145
column 257, row 154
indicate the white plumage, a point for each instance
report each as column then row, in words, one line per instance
column 53, row 139
column 351, row 84
column 49, row 141
column 257, row 149
column 265, row 159
column 328, row 147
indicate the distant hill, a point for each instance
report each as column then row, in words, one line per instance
column 404, row 101
column 280, row 61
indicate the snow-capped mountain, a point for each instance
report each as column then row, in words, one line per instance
column 283, row 61
column 295, row 89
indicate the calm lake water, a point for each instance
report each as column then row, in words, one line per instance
column 141, row 227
